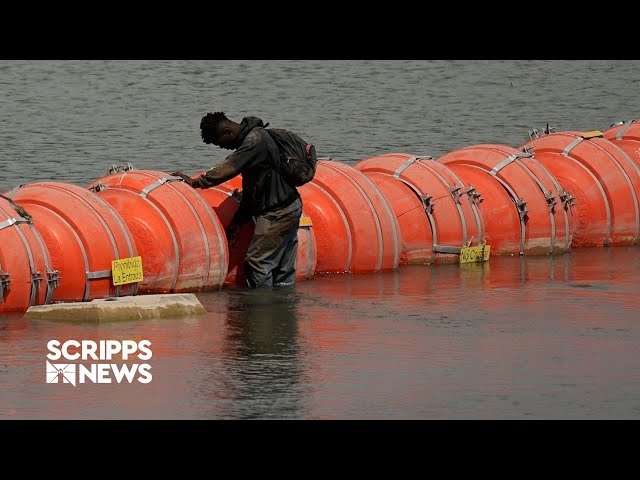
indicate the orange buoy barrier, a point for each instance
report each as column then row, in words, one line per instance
column 546, row 224
column 331, row 229
column 26, row 275
column 224, row 200
column 601, row 178
column 358, row 222
column 626, row 135
column 504, row 228
column 436, row 211
column 412, row 213
column 180, row 239
column 82, row 234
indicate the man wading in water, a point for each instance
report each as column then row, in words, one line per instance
column 274, row 204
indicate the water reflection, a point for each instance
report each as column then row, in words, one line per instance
column 261, row 373
column 517, row 337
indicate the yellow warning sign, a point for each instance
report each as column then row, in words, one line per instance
column 477, row 254
column 126, row 270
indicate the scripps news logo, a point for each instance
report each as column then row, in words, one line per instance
column 86, row 361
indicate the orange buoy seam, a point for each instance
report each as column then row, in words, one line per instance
column 123, row 227
column 102, row 273
column 427, row 209
column 200, row 225
column 456, row 200
column 220, row 235
column 624, row 174
column 346, row 223
column 474, row 207
column 565, row 205
column 14, row 221
column 548, row 196
column 392, row 219
column 176, row 248
column 51, row 275
column 373, row 211
column 516, row 201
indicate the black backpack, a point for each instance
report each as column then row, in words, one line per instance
column 298, row 160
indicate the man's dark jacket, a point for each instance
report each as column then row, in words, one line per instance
column 263, row 189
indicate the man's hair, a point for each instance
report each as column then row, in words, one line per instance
column 209, row 125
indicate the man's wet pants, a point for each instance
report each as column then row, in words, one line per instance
column 271, row 256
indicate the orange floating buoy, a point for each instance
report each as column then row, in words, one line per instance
column 601, row 178
column 412, row 212
column 546, row 224
column 26, row 275
column 626, row 135
column 445, row 217
column 363, row 221
column 504, row 228
column 180, row 239
column 331, row 229
column 225, row 201
column 82, row 234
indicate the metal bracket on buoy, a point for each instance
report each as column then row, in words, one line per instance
column 158, row 183
column 36, row 278
column 12, row 221
column 535, row 133
column 625, row 127
column 511, row 158
column 53, row 280
column 120, row 168
column 427, row 203
column 410, row 161
column 521, row 205
column 4, row 283
column 447, row 249
column 567, row 199
column 551, row 200
column 98, row 187
column 455, row 193
column 473, row 195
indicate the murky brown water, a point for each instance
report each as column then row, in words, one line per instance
column 517, row 338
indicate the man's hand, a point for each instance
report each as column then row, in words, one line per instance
column 188, row 180
column 232, row 232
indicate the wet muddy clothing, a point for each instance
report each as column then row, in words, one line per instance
column 263, row 190
column 271, row 256
column 274, row 205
